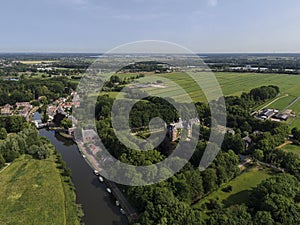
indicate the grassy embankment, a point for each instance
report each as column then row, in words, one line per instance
column 34, row 192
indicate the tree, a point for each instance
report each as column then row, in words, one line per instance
column 210, row 180
column 236, row 214
column 42, row 153
column 263, row 218
column 3, row 133
column 66, row 123
column 2, row 161
column 296, row 133
column 258, row 154
column 233, row 142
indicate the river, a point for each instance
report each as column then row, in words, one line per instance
column 97, row 204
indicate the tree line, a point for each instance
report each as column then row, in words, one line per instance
column 30, row 89
column 26, row 141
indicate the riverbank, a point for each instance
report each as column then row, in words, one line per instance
column 98, row 205
column 64, row 135
column 131, row 213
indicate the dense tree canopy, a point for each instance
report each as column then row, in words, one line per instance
column 29, row 89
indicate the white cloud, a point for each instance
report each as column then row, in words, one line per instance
column 213, row 3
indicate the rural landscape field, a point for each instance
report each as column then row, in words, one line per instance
column 149, row 112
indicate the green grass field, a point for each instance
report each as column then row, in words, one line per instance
column 32, row 192
column 292, row 148
column 230, row 83
column 241, row 187
column 295, row 123
column 282, row 103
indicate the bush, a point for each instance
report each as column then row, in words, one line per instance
column 227, row 189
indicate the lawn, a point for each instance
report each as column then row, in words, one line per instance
column 32, row 192
column 292, row 148
column 241, row 187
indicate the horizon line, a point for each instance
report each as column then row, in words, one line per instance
column 66, row 52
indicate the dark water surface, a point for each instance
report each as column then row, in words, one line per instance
column 97, row 204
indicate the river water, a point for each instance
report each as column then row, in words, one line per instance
column 97, row 204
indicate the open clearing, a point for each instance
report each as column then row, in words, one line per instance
column 32, row 192
column 241, row 187
column 292, row 148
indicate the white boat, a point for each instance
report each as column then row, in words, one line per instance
column 108, row 190
column 96, row 172
column 122, row 211
column 100, row 179
column 83, row 156
column 117, row 203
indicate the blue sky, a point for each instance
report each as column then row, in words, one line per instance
column 99, row 25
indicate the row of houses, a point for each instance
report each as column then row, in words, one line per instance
column 61, row 106
column 20, row 108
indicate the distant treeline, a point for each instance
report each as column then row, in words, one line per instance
column 29, row 89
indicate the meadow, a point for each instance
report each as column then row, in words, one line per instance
column 33, row 192
column 292, row 148
column 241, row 188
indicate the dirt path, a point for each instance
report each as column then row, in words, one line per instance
column 276, row 99
column 8, row 164
column 284, row 144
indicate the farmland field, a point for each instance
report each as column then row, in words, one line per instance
column 33, row 192
column 295, row 123
column 32, row 62
column 241, row 187
column 231, row 84
column 282, row 103
column 296, row 107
